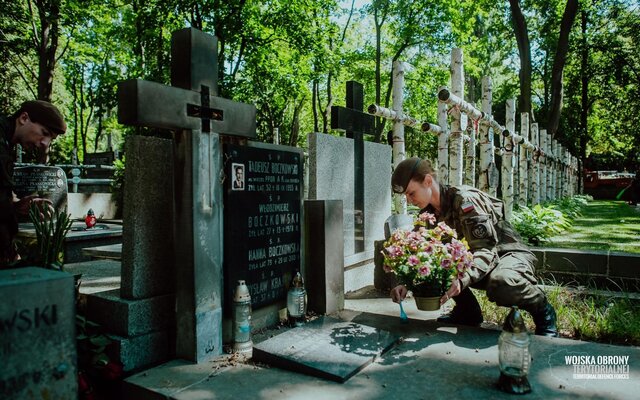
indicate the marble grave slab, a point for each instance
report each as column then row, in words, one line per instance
column 327, row 348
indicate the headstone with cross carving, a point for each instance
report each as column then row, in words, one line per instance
column 191, row 107
column 356, row 124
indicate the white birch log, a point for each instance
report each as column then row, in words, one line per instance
column 398, row 128
column 523, row 163
column 560, row 187
column 551, row 168
column 550, row 161
column 456, row 145
column 556, row 169
column 431, row 128
column 443, row 144
column 392, row 115
column 535, row 170
column 485, row 139
column 470, row 155
column 543, row 165
column 566, row 187
column 507, row 159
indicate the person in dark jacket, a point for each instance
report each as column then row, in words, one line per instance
column 33, row 126
column 503, row 265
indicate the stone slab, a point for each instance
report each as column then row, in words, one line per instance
column 327, row 348
column 377, row 191
column 79, row 238
column 37, row 334
column 569, row 260
column 110, row 251
column 624, row 265
column 148, row 265
column 141, row 351
column 131, row 317
column 324, row 264
column 331, row 177
column 433, row 361
column 97, row 276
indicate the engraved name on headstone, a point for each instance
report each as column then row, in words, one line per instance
column 37, row 340
column 263, row 192
column 46, row 182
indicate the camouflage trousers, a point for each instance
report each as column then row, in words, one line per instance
column 513, row 283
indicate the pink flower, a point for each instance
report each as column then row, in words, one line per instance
column 394, row 251
column 387, row 268
column 413, row 260
column 424, row 270
column 446, row 263
column 427, row 217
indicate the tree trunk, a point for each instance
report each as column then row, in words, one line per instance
column 584, row 109
column 524, row 49
column 49, row 15
column 314, row 104
column 570, row 11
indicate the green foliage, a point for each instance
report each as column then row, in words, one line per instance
column 582, row 314
column 117, row 185
column 292, row 59
column 571, row 207
column 51, row 229
column 537, row 224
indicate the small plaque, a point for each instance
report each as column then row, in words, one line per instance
column 327, row 348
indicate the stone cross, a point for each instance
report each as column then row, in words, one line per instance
column 356, row 123
column 191, row 107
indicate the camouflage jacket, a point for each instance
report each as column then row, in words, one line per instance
column 8, row 221
column 479, row 218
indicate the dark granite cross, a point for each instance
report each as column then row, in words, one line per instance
column 356, row 124
column 191, row 108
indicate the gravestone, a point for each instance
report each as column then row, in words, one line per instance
column 331, row 177
column 356, row 124
column 46, row 182
column 37, row 334
column 191, row 109
column 105, row 158
column 262, row 222
column 327, row 348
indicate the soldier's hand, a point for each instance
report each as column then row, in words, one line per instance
column 453, row 291
column 22, row 205
column 398, row 293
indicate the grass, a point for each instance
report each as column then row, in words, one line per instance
column 603, row 225
column 582, row 315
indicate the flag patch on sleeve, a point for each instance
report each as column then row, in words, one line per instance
column 467, row 206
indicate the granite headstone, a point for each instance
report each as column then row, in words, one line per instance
column 327, row 348
column 37, row 334
column 46, row 182
column 262, row 219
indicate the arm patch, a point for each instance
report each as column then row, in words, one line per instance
column 467, row 206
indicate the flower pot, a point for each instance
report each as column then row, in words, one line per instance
column 427, row 303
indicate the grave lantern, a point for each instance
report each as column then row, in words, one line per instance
column 514, row 355
column 242, row 320
column 297, row 300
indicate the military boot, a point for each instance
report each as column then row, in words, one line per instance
column 545, row 320
column 466, row 311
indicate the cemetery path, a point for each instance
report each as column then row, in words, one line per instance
column 432, row 361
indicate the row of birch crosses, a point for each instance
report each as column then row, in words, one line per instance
column 535, row 167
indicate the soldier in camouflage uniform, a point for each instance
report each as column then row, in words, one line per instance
column 503, row 266
column 33, row 126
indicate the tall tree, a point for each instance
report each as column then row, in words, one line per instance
column 524, row 50
column 559, row 61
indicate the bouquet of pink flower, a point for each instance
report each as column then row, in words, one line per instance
column 426, row 257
